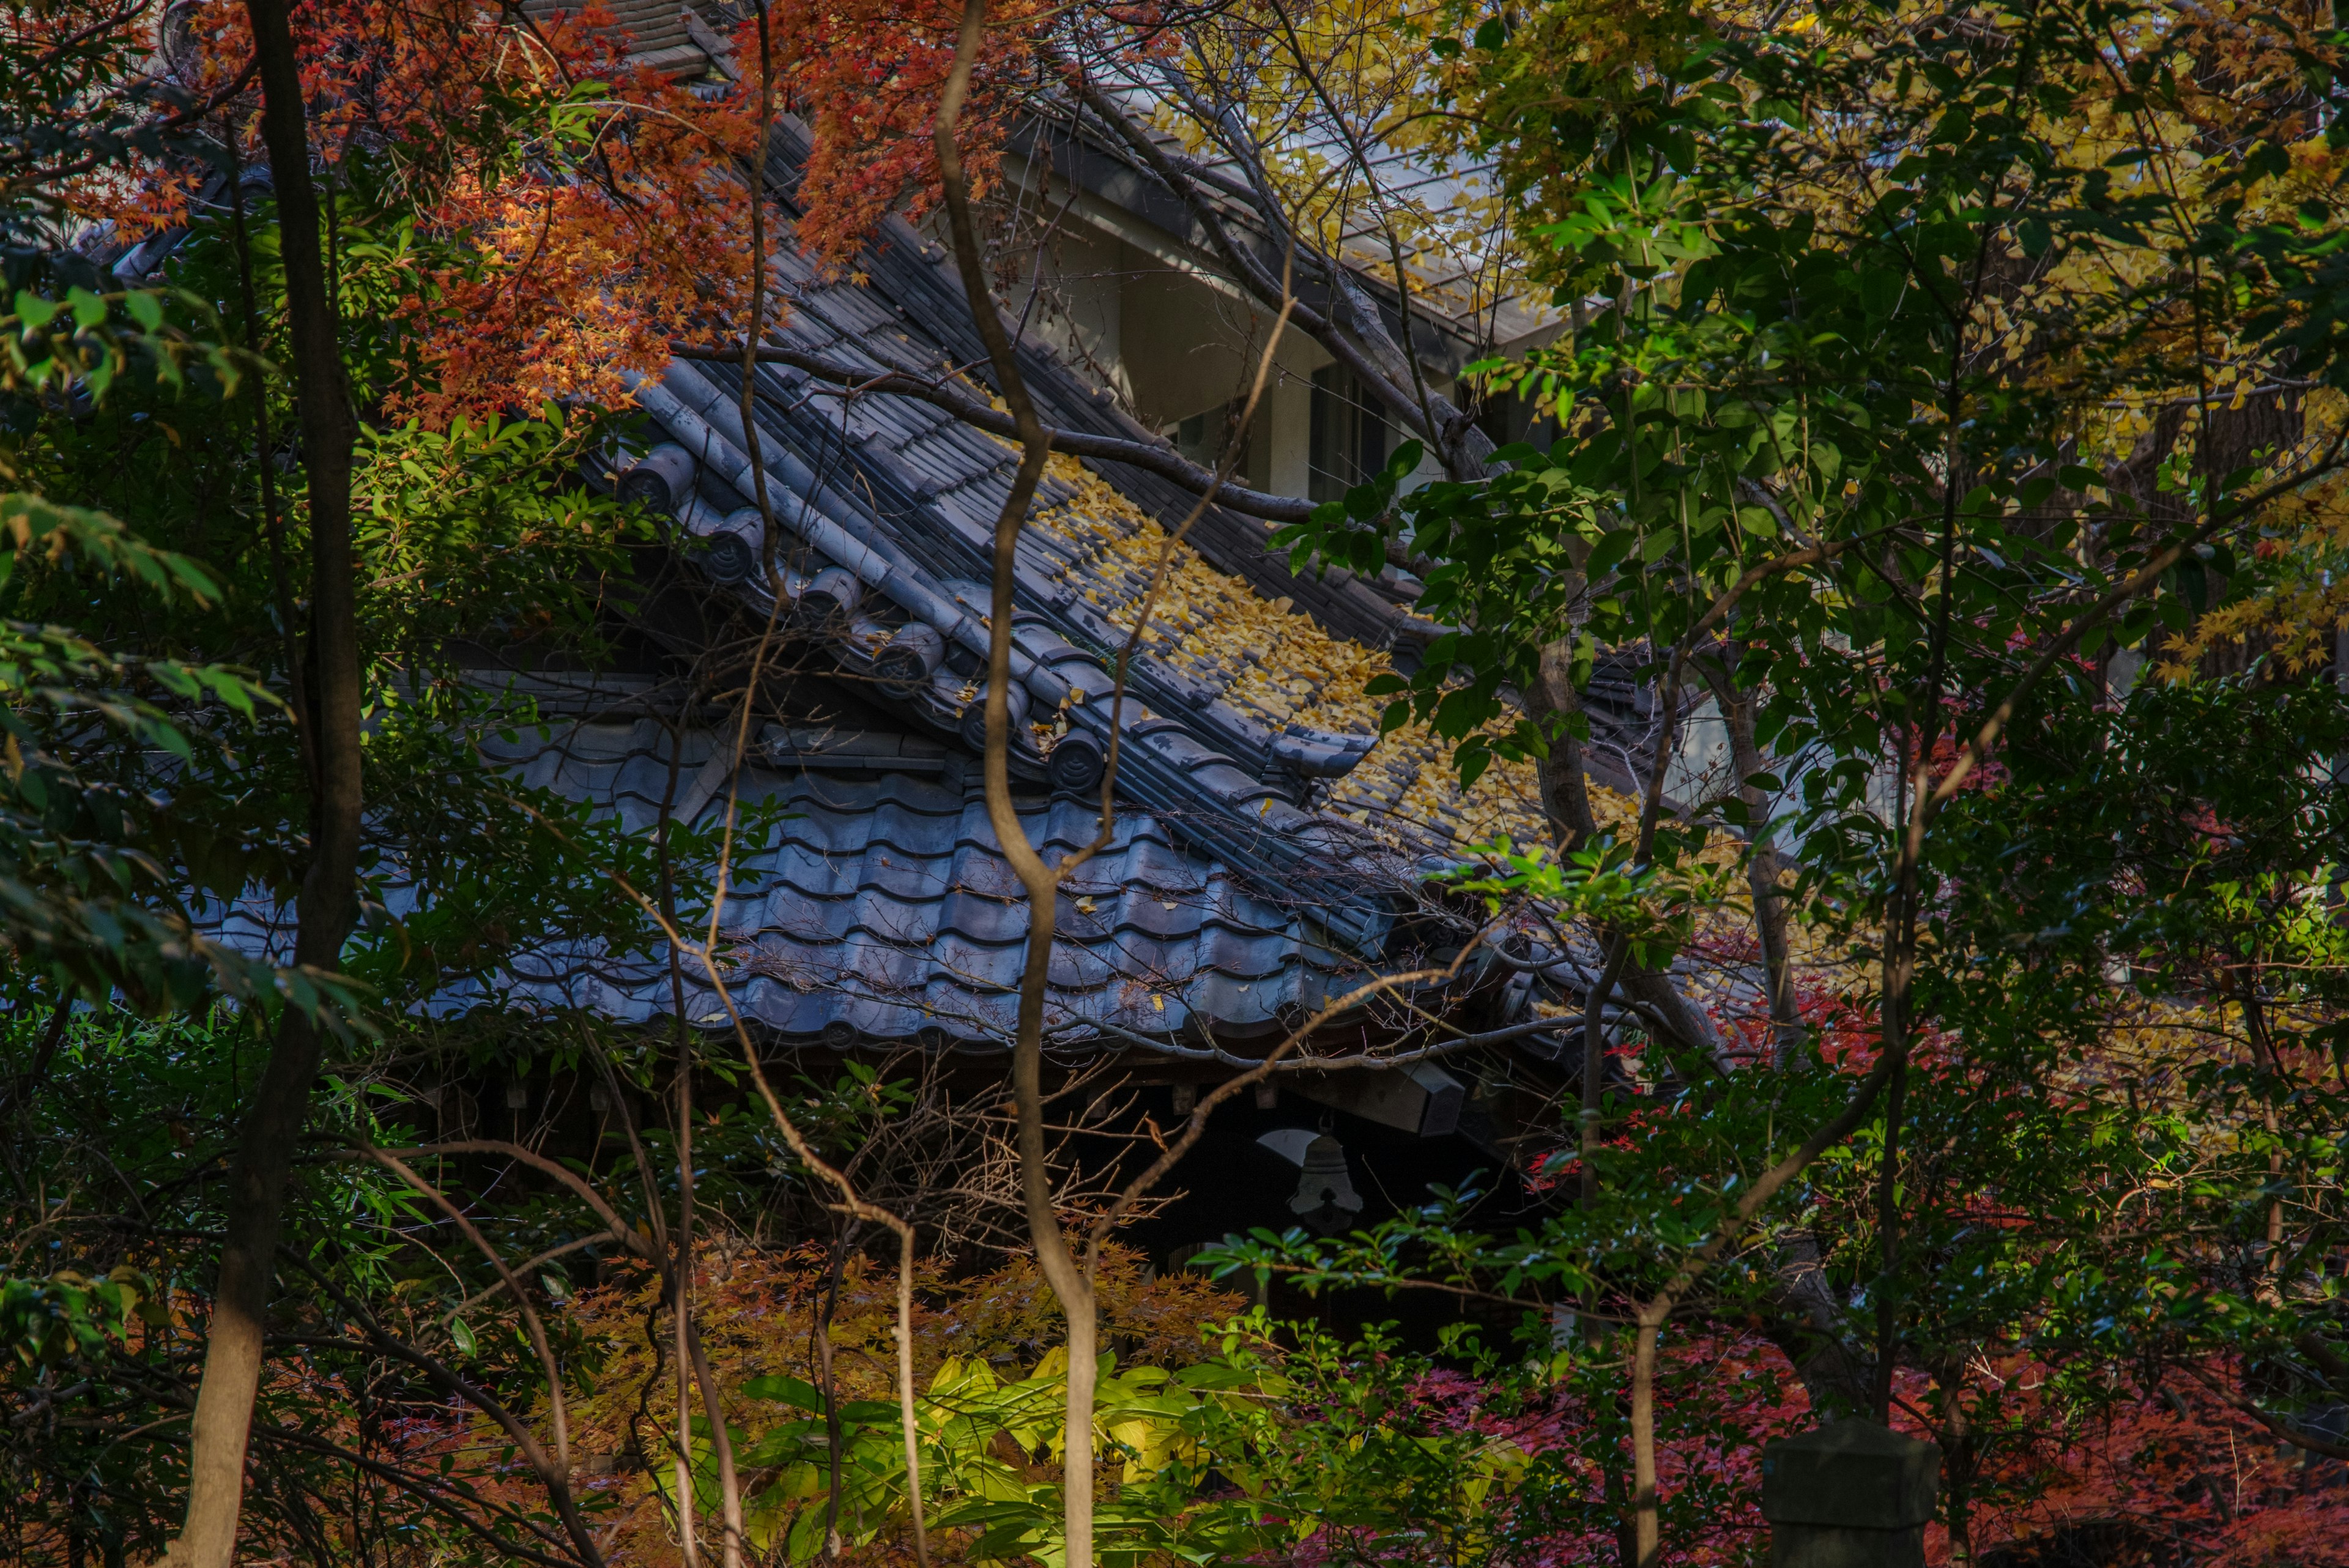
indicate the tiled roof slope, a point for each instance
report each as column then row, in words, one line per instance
column 879, row 909
column 1276, row 831
column 919, row 638
column 903, row 499
column 1231, row 729
column 1265, row 657
column 915, row 301
column 656, row 32
column 870, row 904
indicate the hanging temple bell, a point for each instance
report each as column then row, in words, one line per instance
column 1326, row 1199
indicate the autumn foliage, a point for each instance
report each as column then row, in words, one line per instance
column 563, row 213
column 2124, row 1474
column 2110, row 1227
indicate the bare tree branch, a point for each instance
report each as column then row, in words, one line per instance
column 1153, row 457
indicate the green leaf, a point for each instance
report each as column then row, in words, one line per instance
column 1608, row 553
column 1881, row 288
column 34, row 311
column 797, row 1392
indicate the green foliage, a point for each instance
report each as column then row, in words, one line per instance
column 86, row 897
column 1282, row 1434
column 1339, row 1446
column 76, row 348
column 68, row 1317
column 92, row 539
column 480, row 529
column 113, row 1130
column 1140, row 1416
column 1755, row 427
column 1654, row 903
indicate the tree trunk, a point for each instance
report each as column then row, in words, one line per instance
column 326, row 907
column 1764, row 865
column 1647, row 1536
column 1960, row 1460
column 1071, row 1282
column 1552, row 704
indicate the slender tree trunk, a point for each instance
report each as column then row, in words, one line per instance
column 829, row 1387
column 678, row 1280
column 273, row 518
column 908, row 1426
column 1900, row 976
column 1071, row 1282
column 2263, row 1052
column 1764, row 865
column 1645, row 1519
column 1832, row 1373
column 1960, row 1458
column 256, row 1186
column 1551, row 704
column 681, row 1280
column 1594, row 1076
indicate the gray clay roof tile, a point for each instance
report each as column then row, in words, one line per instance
column 880, row 911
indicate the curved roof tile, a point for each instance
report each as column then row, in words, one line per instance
column 880, row 909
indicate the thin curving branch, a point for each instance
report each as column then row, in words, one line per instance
column 513, row 1286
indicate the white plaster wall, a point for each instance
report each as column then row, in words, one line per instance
column 1078, row 305
column 1188, row 346
column 1125, row 310
column 1429, row 470
column 1289, row 422
column 1256, row 474
column 1702, row 767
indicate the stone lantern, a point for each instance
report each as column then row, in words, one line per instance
column 1849, row 1495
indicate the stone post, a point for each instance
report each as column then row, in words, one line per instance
column 1849, row 1495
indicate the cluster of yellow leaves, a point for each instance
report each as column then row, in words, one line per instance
column 2185, row 384
column 1267, row 656
column 2151, row 369
column 1335, row 104
column 2302, row 555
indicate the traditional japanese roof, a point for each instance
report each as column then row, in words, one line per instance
column 1267, row 850
column 1269, row 837
column 665, row 36
column 895, row 500
column 1268, row 846
column 877, row 910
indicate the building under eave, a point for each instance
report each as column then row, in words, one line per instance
column 1269, row 848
